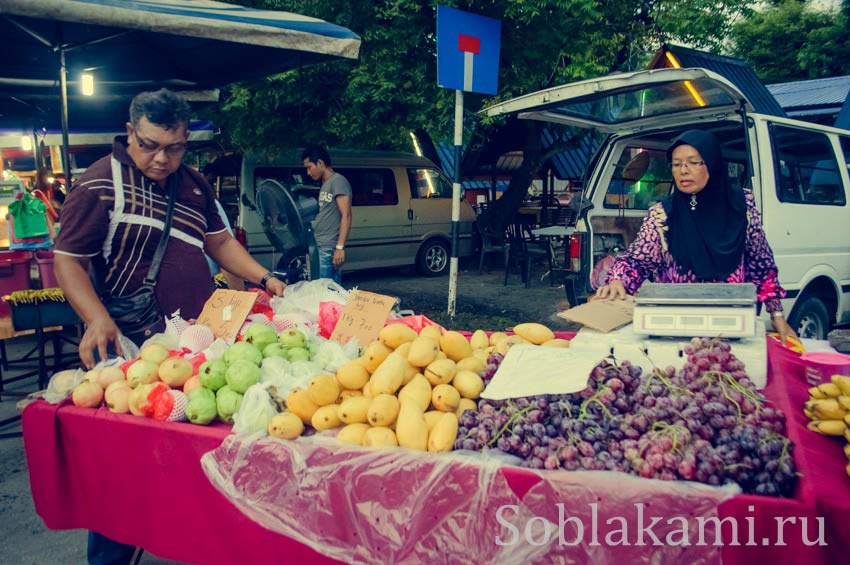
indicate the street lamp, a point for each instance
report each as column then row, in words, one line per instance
column 87, row 84
column 26, row 143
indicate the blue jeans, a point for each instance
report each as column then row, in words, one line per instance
column 104, row 551
column 326, row 265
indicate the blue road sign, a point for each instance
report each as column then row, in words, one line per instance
column 467, row 51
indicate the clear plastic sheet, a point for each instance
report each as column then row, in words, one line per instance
column 361, row 505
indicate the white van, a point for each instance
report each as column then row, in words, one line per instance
column 798, row 172
column 401, row 206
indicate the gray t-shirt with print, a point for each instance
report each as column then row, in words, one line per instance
column 326, row 224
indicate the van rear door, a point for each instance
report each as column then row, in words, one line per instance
column 630, row 101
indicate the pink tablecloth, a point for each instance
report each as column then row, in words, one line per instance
column 140, row 481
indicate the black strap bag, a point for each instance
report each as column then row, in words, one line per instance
column 137, row 314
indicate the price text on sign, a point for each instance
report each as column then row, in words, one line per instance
column 362, row 317
column 226, row 311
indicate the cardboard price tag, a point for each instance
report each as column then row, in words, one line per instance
column 226, row 311
column 362, row 317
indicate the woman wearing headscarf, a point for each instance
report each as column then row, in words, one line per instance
column 706, row 231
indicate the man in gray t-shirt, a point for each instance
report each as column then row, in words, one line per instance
column 333, row 223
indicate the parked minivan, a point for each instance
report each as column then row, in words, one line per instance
column 798, row 172
column 401, row 206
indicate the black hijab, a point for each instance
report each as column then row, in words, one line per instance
column 709, row 240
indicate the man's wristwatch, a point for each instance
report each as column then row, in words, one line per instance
column 268, row 276
column 339, row 247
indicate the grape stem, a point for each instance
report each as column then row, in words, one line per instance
column 510, row 421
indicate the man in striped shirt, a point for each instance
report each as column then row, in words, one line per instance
column 113, row 220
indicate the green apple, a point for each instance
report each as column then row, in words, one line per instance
column 211, row 374
column 292, row 337
column 241, row 375
column 243, row 351
column 298, row 354
column 275, row 350
column 260, row 335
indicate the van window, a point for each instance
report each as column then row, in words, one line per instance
column 641, row 178
column 371, row 187
column 428, row 183
column 806, row 169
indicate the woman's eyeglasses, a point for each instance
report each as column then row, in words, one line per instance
column 151, row 148
column 686, row 165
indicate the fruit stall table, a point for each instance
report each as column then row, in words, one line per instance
column 140, row 481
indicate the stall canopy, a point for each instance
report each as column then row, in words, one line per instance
column 133, row 46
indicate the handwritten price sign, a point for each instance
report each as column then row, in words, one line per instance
column 362, row 317
column 226, row 311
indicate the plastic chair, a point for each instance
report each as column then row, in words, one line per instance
column 490, row 242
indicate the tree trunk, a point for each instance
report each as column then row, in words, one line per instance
column 504, row 209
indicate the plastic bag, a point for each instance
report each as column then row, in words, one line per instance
column 331, row 355
column 62, row 384
column 304, row 298
column 276, row 371
column 328, row 317
column 361, row 505
column 29, row 215
column 255, row 412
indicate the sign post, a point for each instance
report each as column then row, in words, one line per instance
column 467, row 61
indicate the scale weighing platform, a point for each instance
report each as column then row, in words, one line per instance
column 726, row 310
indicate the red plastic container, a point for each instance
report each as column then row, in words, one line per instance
column 14, row 275
column 820, row 366
column 44, row 259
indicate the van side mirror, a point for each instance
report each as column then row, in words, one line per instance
column 247, row 203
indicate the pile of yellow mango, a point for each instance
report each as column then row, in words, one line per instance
column 406, row 389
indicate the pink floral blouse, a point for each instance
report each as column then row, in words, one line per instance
column 649, row 258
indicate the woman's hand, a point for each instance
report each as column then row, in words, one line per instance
column 783, row 329
column 614, row 290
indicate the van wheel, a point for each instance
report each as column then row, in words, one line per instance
column 433, row 259
column 810, row 319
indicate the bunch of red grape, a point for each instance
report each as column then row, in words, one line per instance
column 705, row 422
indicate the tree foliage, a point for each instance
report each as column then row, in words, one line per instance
column 792, row 40
column 392, row 89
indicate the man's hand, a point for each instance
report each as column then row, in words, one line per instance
column 99, row 333
column 612, row 291
column 275, row 286
column 339, row 258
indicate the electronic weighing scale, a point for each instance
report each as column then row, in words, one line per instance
column 726, row 310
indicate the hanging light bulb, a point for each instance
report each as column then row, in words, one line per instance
column 26, row 143
column 87, row 84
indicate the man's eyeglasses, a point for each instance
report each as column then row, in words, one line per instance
column 686, row 165
column 175, row 150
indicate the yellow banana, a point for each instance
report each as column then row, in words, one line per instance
column 847, row 421
column 847, row 434
column 848, row 468
column 847, row 450
column 816, row 393
column 842, row 382
column 808, row 414
column 828, row 427
column 827, row 409
column 844, row 401
column 829, row 390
